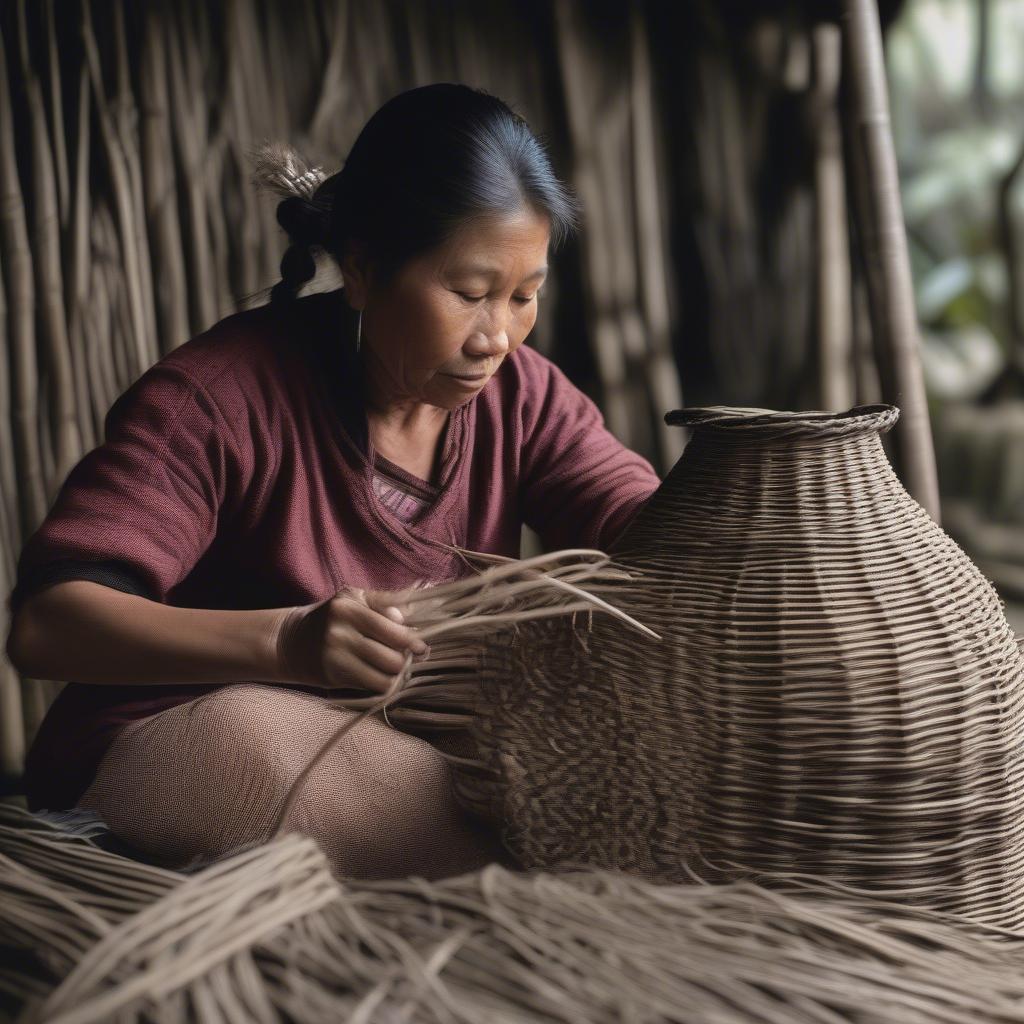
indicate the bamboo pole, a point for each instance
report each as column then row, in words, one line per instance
column 12, row 711
column 1009, row 238
column 834, row 311
column 257, row 110
column 121, row 192
column 599, row 280
column 17, row 259
column 65, row 203
column 652, row 255
column 245, row 234
column 32, row 419
column 885, row 243
column 62, row 420
column 125, row 122
column 99, row 319
column 59, row 143
column 119, row 328
column 188, row 106
column 76, row 282
column 867, row 387
column 331, row 96
column 8, row 479
column 161, row 186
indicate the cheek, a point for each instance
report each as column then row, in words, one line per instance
column 523, row 325
column 450, row 325
column 433, row 331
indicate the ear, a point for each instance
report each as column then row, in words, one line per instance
column 355, row 270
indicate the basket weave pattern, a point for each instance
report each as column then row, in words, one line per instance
column 836, row 691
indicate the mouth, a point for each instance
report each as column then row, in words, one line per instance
column 468, row 378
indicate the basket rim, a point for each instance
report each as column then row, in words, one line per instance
column 812, row 422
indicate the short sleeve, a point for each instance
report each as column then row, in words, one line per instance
column 580, row 485
column 138, row 511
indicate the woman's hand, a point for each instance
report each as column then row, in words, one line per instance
column 356, row 639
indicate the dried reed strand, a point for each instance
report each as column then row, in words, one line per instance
column 270, row 932
column 455, row 617
column 62, row 421
column 17, row 263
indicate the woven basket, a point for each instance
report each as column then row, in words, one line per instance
column 836, row 692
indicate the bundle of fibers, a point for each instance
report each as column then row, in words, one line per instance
column 270, row 934
column 435, row 698
column 836, row 691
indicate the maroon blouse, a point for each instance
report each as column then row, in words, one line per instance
column 237, row 472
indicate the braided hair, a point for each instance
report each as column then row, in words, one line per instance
column 426, row 162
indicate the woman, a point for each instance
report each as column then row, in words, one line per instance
column 220, row 563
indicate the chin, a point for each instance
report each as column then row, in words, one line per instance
column 455, row 403
column 453, row 397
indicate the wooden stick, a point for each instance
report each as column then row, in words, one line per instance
column 663, row 385
column 56, row 154
column 834, row 312
column 161, row 186
column 17, row 259
column 61, row 423
column 76, row 282
column 121, row 193
column 1014, row 259
column 885, row 243
column 125, row 123
column 60, row 155
column 8, row 479
column 190, row 136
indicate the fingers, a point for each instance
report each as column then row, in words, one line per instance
column 385, row 628
column 367, row 646
column 379, row 656
column 351, row 670
column 386, row 605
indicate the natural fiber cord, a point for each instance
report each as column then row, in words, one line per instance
column 271, row 935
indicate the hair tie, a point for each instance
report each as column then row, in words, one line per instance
column 278, row 167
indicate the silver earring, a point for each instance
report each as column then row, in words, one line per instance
column 359, row 330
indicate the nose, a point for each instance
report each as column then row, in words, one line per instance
column 490, row 338
column 482, row 345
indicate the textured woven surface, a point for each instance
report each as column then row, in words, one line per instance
column 836, row 692
column 268, row 935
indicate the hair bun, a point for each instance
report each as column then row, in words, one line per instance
column 306, row 222
column 298, row 265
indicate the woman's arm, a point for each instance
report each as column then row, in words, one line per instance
column 580, row 485
column 95, row 634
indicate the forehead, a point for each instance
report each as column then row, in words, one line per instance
column 493, row 241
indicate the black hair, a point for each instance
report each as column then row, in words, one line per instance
column 427, row 161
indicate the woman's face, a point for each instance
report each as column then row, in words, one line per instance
column 443, row 325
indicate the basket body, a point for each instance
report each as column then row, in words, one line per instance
column 836, row 691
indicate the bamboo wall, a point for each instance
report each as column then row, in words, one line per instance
column 128, row 223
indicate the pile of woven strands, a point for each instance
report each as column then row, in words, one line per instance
column 270, row 934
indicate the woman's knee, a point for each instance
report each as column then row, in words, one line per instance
column 205, row 776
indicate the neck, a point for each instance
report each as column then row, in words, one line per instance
column 406, row 417
column 396, row 411
column 409, row 433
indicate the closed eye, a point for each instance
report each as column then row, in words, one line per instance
column 521, row 299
